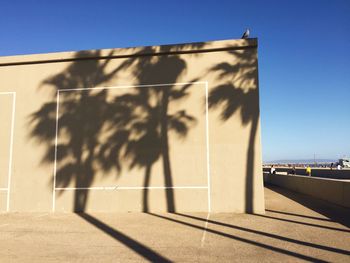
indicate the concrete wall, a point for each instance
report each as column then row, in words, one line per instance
column 164, row 128
column 317, row 172
column 334, row 191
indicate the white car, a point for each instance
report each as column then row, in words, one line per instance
column 345, row 163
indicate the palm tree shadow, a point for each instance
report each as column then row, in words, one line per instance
column 101, row 132
column 139, row 122
column 142, row 135
column 81, row 117
column 239, row 93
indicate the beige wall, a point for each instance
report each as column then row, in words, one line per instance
column 166, row 128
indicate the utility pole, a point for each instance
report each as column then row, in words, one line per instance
column 315, row 159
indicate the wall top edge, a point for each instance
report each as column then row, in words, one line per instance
column 198, row 47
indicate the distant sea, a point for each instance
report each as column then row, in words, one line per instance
column 302, row 161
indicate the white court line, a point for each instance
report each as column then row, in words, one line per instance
column 129, row 188
column 11, row 151
column 208, row 163
column 205, row 230
column 55, row 163
column 4, row 189
column 136, row 86
column 11, row 147
column 207, row 142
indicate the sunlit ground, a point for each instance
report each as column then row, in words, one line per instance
column 289, row 231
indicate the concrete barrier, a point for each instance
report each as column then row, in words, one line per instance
column 334, row 191
column 316, row 172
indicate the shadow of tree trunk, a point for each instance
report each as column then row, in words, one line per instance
column 138, row 122
column 81, row 117
column 146, row 181
column 165, row 152
column 83, row 180
column 249, row 191
column 144, row 251
column 238, row 94
column 158, row 70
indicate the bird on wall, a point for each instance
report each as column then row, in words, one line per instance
column 246, row 34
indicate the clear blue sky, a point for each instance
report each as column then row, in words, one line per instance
column 304, row 53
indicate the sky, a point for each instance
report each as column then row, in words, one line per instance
column 304, row 54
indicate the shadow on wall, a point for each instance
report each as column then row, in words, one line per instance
column 142, row 135
column 82, row 116
column 100, row 133
column 239, row 94
column 135, row 125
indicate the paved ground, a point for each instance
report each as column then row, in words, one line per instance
column 290, row 231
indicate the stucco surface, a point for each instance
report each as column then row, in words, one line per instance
column 164, row 128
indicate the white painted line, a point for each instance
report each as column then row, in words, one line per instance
column 55, row 163
column 11, row 151
column 9, row 175
column 207, row 142
column 135, row 86
column 132, row 188
column 128, row 188
column 205, row 230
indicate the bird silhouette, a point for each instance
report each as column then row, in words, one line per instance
column 246, row 34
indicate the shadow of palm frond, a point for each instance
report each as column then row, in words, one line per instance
column 135, row 126
column 239, row 93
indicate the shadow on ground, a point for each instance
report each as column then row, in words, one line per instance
column 132, row 244
column 171, row 237
column 333, row 213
